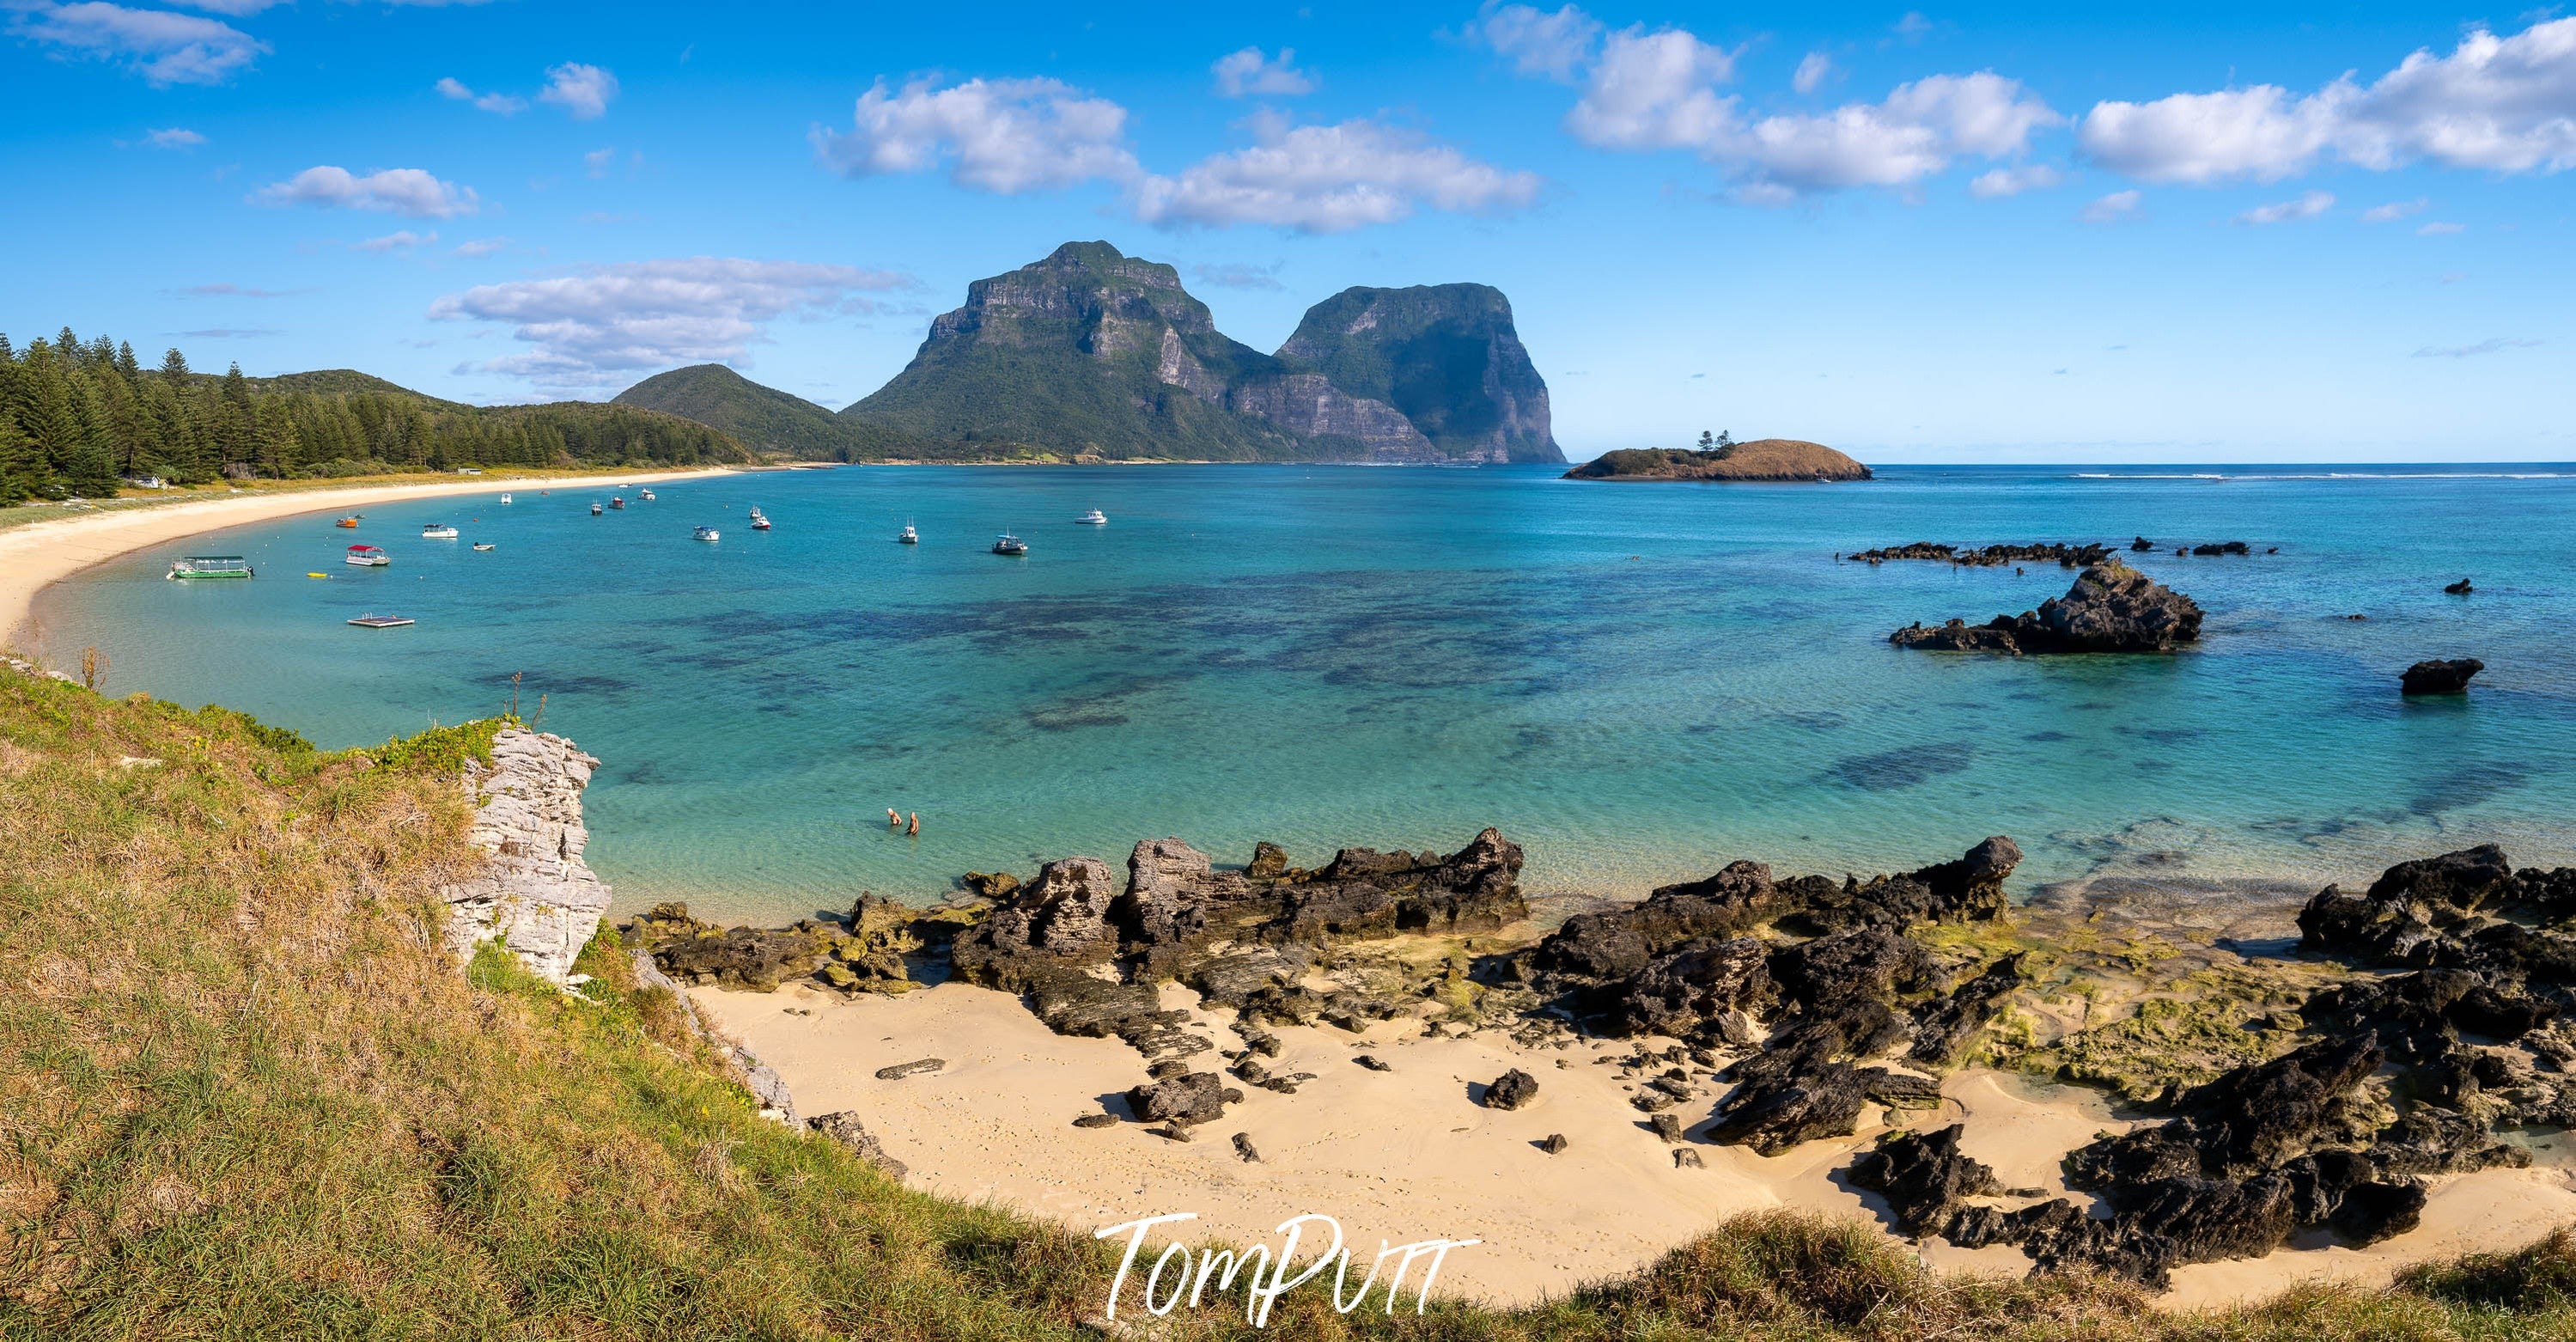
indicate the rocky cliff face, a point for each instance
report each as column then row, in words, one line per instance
column 1445, row 357
column 1092, row 353
column 534, row 894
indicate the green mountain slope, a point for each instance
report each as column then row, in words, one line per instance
column 1092, row 354
column 1086, row 354
column 763, row 418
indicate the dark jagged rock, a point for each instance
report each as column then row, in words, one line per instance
column 1096, row 1121
column 1060, row 919
column 1686, row 1159
column 1678, row 991
column 1072, row 1002
column 1512, row 1090
column 2439, row 677
column 1944, row 1025
column 1667, row 1127
column 752, row 959
column 1183, row 1101
column 1269, row 862
column 1991, row 556
column 992, row 884
column 1924, row 1177
column 2461, row 588
column 2111, row 608
column 1244, row 1148
column 2222, row 548
column 1371, row 1062
column 844, row 1127
column 1554, row 1145
column 914, row 1068
column 2142, row 545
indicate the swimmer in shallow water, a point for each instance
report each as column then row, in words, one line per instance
column 915, row 826
column 894, row 820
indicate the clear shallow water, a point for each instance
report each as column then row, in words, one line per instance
column 1636, row 681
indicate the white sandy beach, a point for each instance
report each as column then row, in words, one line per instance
column 39, row 554
column 1405, row 1155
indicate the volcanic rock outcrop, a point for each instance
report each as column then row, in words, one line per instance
column 2111, row 608
column 2439, row 677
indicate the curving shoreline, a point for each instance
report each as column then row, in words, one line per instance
column 37, row 555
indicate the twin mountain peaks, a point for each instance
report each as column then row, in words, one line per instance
column 1090, row 355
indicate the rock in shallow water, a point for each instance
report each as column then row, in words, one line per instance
column 2439, row 677
column 2111, row 608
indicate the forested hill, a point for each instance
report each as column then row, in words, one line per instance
column 78, row 417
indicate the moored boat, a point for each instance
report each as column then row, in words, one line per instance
column 505, row 498
column 368, row 556
column 1007, row 544
column 350, row 522
column 617, row 501
column 706, row 534
column 909, row 536
column 1094, row 518
column 371, row 620
column 647, row 496
column 438, row 531
column 209, row 566
column 759, row 520
column 594, row 510
column 482, row 545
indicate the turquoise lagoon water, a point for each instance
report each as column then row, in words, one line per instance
column 1638, row 682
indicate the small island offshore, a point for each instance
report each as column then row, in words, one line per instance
column 1763, row 460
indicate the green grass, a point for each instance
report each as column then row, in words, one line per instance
column 244, row 1094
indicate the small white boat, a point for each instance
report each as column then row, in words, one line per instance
column 438, row 531
column 368, row 556
column 647, row 496
column 1007, row 544
column 505, row 498
column 706, row 534
column 909, row 536
column 481, row 546
column 759, row 520
column 209, row 566
column 371, row 620
column 594, row 510
column 1094, row 518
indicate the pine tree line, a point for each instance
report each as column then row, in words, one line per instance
column 79, row 419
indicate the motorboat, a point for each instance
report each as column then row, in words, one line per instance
column 1007, row 544
column 594, row 510
column 438, row 531
column 759, row 520
column 371, row 620
column 1094, row 518
column 505, row 498
column 617, row 501
column 647, row 496
column 350, row 522
column 706, row 534
column 368, row 556
column 909, row 536
column 480, row 546
column 210, row 566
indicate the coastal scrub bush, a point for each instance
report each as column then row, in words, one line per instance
column 442, row 751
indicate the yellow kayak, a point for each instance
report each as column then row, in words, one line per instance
column 317, row 575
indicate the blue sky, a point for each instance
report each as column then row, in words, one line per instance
column 2184, row 232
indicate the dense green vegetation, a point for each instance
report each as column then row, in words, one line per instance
column 767, row 420
column 78, row 417
column 245, row 1093
column 1446, row 355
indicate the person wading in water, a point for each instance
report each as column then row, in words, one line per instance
column 915, row 826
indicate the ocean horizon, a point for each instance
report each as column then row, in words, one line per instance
column 1637, row 682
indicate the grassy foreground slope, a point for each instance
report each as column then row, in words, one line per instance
column 244, row 1095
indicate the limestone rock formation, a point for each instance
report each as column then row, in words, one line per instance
column 534, row 893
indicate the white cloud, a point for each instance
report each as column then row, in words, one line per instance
column 595, row 327
column 396, row 242
column 1913, row 27
column 404, row 191
column 1647, row 90
column 173, row 138
column 582, row 90
column 2307, row 206
column 1330, row 179
column 1813, row 71
column 598, row 161
column 451, row 87
column 999, row 135
column 2002, row 182
column 2112, row 208
column 1537, row 42
column 2394, row 210
column 1248, row 73
column 2495, row 346
column 2503, row 105
column 477, row 248
column 1237, row 275
column 232, row 8
column 163, row 47
column 2437, row 229
column 1655, row 91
